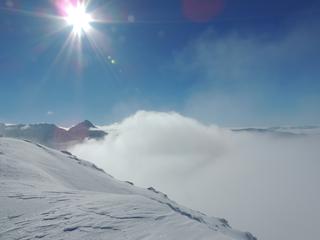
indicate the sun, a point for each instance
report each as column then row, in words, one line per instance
column 78, row 18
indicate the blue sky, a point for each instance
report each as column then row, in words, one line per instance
column 234, row 63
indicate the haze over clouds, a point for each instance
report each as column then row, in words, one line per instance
column 264, row 183
column 244, row 78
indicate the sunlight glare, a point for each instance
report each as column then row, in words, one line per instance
column 78, row 18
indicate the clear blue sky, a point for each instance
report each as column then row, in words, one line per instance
column 230, row 62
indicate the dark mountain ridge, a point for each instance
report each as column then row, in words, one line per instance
column 51, row 135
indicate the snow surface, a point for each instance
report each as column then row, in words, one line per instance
column 47, row 194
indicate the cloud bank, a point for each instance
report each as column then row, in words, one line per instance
column 266, row 184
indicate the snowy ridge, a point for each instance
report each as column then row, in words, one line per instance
column 48, row 194
column 51, row 135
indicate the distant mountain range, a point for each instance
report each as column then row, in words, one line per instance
column 60, row 138
column 51, row 135
column 291, row 131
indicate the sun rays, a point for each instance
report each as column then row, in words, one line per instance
column 73, row 16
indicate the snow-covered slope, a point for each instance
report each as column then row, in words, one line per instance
column 47, row 194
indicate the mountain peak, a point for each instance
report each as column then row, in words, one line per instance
column 87, row 124
column 51, row 135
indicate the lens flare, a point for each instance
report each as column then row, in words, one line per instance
column 80, row 16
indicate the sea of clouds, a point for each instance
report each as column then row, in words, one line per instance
column 265, row 183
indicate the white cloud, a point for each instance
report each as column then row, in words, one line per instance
column 49, row 113
column 261, row 183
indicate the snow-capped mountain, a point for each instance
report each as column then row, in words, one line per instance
column 48, row 194
column 52, row 136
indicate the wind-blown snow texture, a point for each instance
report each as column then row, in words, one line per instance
column 46, row 194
